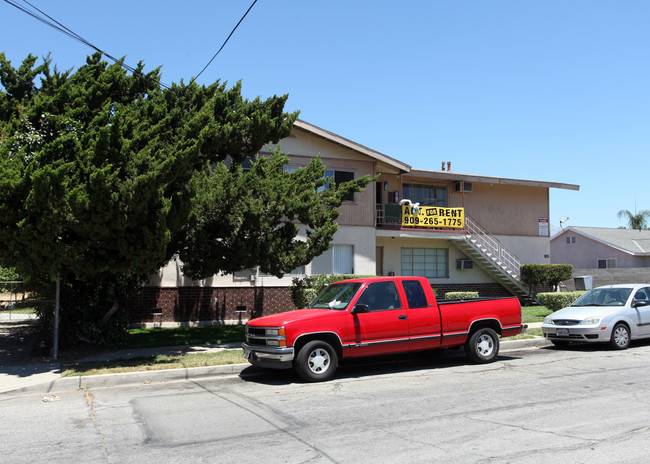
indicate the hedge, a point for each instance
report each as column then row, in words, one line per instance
column 539, row 274
column 460, row 295
column 558, row 300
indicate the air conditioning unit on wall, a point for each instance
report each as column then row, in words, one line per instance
column 464, row 264
column 458, row 187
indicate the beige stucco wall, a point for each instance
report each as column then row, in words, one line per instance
column 500, row 209
column 531, row 250
column 393, row 259
column 506, row 209
column 302, row 147
column 361, row 238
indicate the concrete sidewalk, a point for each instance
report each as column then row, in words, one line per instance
column 45, row 378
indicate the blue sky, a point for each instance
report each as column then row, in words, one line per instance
column 549, row 90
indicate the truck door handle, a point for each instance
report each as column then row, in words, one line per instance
column 402, row 317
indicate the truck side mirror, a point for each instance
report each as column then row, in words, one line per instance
column 360, row 308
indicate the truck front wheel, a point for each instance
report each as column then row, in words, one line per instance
column 483, row 346
column 316, row 361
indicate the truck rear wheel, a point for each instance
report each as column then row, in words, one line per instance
column 316, row 361
column 482, row 346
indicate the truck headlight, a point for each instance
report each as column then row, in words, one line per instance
column 275, row 332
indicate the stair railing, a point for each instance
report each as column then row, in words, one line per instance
column 499, row 253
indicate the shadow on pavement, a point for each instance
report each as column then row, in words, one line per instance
column 17, row 341
column 377, row 365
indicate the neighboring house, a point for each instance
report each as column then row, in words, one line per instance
column 505, row 225
column 607, row 256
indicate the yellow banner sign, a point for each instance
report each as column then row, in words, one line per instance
column 433, row 216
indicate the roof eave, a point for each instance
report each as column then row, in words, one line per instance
column 335, row 138
column 455, row 176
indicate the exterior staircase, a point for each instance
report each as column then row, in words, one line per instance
column 493, row 257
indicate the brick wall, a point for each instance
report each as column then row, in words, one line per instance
column 206, row 304
column 233, row 304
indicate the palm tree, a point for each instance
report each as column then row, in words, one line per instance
column 635, row 221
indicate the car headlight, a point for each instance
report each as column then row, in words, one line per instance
column 591, row 321
column 548, row 320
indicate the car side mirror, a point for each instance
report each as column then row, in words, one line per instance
column 360, row 308
column 639, row 303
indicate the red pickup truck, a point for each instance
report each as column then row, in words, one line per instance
column 372, row 316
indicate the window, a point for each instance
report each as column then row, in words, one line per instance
column 426, row 262
column 339, row 178
column 426, row 195
column 337, row 260
column 380, row 296
column 642, row 296
column 568, row 239
column 414, row 294
column 607, row 263
column 300, row 270
column 343, row 259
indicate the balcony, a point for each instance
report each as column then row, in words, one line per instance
column 389, row 216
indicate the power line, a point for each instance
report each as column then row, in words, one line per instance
column 65, row 30
column 225, row 42
column 61, row 28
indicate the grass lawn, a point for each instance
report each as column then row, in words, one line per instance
column 178, row 336
column 534, row 313
column 154, row 363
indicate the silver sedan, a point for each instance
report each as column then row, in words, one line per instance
column 614, row 314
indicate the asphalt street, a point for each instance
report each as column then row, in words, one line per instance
column 534, row 405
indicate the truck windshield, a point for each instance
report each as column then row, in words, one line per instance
column 336, row 296
column 604, row 297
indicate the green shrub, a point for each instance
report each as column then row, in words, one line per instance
column 549, row 274
column 304, row 290
column 558, row 300
column 460, row 295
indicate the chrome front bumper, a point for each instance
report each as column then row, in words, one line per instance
column 264, row 356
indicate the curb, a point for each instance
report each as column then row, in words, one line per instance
column 61, row 384
column 510, row 345
column 171, row 375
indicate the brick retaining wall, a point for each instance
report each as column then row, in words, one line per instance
column 219, row 305
column 206, row 304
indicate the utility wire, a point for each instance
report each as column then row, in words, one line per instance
column 61, row 28
column 226, row 41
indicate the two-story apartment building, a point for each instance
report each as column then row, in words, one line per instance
column 505, row 224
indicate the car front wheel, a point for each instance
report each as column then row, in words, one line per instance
column 620, row 337
column 316, row 361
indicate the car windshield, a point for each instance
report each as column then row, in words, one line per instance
column 336, row 296
column 604, row 297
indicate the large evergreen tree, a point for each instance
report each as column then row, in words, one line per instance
column 105, row 176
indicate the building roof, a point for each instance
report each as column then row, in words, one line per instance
column 335, row 138
column 632, row 241
column 455, row 176
column 386, row 164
